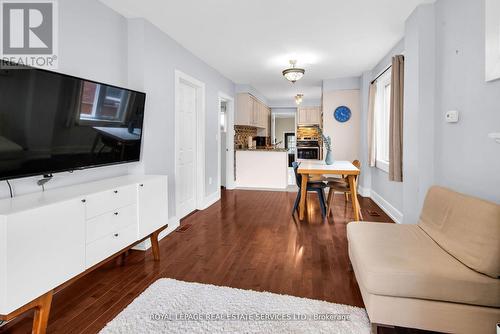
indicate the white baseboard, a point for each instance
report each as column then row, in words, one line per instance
column 173, row 223
column 387, row 207
column 210, row 199
column 263, row 189
column 364, row 192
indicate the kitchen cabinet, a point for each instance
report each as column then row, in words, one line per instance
column 264, row 121
column 244, row 110
column 252, row 112
column 309, row 116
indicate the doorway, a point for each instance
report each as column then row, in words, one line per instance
column 189, row 144
column 223, row 143
column 284, row 126
column 226, row 142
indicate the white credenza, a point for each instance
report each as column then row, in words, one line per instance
column 48, row 238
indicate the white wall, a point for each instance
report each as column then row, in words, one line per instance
column 281, row 126
column 466, row 159
column 444, row 71
column 419, row 109
column 245, row 88
column 290, row 103
column 373, row 179
column 284, row 110
column 345, row 136
column 152, row 67
column 135, row 54
column 96, row 51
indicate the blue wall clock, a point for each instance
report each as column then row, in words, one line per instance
column 342, row 114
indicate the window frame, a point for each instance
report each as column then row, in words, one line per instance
column 99, row 97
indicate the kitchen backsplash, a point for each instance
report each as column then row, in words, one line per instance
column 307, row 132
column 241, row 133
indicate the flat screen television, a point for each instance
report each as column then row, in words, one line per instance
column 51, row 122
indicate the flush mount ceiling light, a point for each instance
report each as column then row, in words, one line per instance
column 293, row 73
column 298, row 98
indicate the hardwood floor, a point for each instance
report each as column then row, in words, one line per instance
column 247, row 240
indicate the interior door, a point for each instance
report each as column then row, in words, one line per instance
column 186, row 155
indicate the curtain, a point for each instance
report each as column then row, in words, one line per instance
column 372, row 152
column 396, row 120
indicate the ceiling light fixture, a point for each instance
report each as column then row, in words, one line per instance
column 293, row 73
column 298, row 98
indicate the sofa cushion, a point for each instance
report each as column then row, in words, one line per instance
column 403, row 261
column 466, row 227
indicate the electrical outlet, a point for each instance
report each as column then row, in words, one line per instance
column 209, row 180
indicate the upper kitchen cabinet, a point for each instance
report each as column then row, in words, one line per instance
column 264, row 120
column 244, row 110
column 252, row 112
column 309, row 116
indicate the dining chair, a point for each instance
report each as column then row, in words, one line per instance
column 318, row 187
column 341, row 185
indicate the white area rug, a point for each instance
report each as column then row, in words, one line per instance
column 171, row 306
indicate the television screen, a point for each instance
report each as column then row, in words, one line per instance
column 50, row 122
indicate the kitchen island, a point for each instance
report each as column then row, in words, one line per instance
column 262, row 169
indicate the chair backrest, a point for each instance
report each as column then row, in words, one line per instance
column 356, row 164
column 466, row 227
column 298, row 177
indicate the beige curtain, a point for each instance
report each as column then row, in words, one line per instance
column 372, row 145
column 396, row 120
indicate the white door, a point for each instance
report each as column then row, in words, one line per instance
column 186, row 155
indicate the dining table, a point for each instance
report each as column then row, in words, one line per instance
column 308, row 168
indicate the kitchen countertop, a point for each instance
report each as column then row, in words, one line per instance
column 263, row 149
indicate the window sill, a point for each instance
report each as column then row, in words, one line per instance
column 382, row 165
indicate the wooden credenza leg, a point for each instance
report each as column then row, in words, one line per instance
column 42, row 310
column 41, row 305
column 155, row 246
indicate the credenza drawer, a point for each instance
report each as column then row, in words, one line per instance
column 100, row 203
column 104, row 224
column 110, row 244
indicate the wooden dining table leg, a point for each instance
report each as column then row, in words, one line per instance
column 354, row 197
column 303, row 196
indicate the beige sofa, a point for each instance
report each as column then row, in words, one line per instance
column 441, row 274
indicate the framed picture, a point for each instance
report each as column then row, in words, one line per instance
column 492, row 39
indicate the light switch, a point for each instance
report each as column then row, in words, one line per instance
column 452, row 116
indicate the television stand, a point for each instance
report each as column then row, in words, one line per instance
column 73, row 231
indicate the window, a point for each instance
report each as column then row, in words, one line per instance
column 382, row 115
column 223, row 116
column 102, row 103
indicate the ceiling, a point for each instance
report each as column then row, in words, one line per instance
column 251, row 41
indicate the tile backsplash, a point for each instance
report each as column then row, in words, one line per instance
column 308, row 131
column 241, row 134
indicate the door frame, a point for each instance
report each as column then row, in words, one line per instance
column 181, row 77
column 230, row 184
